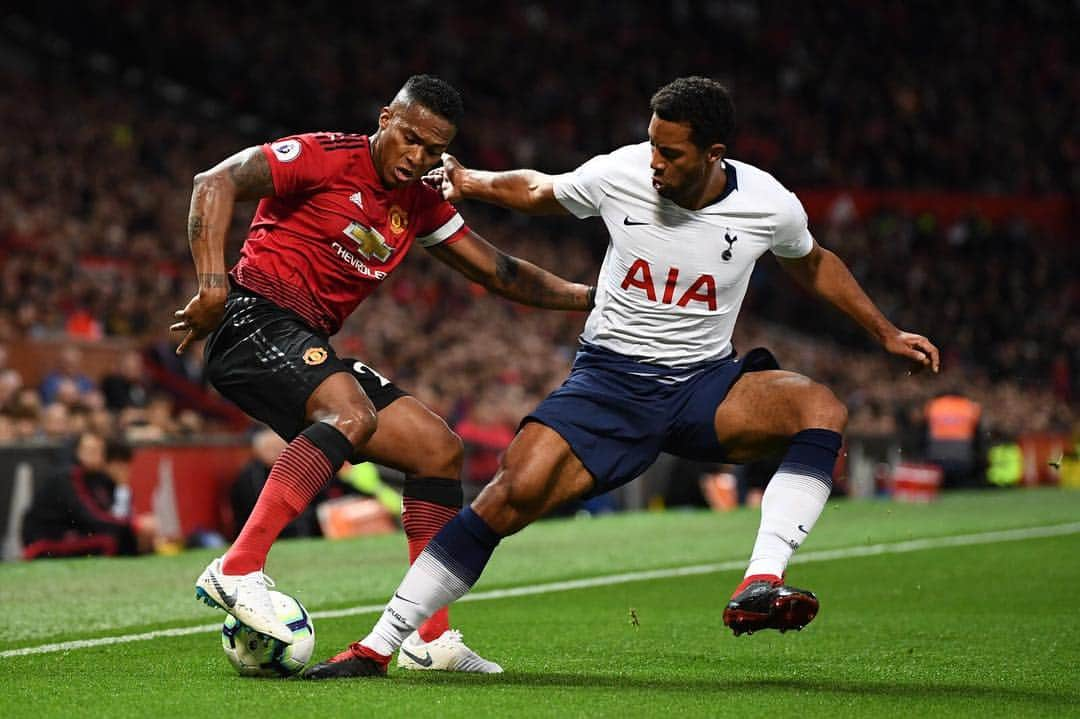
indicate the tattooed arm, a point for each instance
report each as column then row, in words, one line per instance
column 512, row 278
column 244, row 176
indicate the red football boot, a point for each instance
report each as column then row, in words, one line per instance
column 356, row 661
column 763, row 601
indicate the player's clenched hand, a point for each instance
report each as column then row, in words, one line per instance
column 915, row 347
column 447, row 179
column 199, row 318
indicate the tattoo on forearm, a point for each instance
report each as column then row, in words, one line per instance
column 209, row 281
column 506, row 269
column 195, row 227
column 526, row 283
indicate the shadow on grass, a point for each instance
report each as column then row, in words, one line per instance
column 796, row 686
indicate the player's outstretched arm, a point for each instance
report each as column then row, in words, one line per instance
column 244, row 176
column 512, row 278
column 522, row 190
column 826, row 275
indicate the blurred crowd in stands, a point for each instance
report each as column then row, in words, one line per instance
column 125, row 402
column 97, row 183
column 968, row 96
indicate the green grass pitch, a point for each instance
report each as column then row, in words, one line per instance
column 983, row 629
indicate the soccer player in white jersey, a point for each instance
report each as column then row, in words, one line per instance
column 657, row 370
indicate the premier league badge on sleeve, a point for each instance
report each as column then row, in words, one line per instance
column 286, row 150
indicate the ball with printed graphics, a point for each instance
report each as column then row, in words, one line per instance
column 257, row 655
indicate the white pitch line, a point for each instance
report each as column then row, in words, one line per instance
column 824, row 555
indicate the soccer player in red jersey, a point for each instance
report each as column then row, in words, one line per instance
column 337, row 213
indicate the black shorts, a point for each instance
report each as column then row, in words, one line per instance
column 268, row 361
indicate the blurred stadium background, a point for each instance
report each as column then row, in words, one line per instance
column 935, row 146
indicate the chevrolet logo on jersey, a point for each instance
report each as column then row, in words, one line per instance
column 369, row 242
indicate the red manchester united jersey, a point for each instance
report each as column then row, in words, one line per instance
column 332, row 232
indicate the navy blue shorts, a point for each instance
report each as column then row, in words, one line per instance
column 618, row 414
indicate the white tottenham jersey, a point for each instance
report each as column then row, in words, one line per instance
column 673, row 279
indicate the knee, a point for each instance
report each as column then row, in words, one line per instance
column 821, row 409
column 508, row 504
column 443, row 456
column 358, row 424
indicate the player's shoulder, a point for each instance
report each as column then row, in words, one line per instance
column 339, row 141
column 620, row 169
column 753, row 179
column 630, row 158
column 758, row 187
column 620, row 159
column 322, row 145
column 634, row 152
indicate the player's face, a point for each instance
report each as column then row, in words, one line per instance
column 680, row 168
column 411, row 141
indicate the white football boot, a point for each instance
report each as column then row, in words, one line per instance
column 446, row 653
column 245, row 596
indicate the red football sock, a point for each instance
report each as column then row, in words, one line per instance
column 297, row 476
column 422, row 521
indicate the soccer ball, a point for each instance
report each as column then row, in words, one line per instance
column 257, row 655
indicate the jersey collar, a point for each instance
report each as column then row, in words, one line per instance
column 731, row 183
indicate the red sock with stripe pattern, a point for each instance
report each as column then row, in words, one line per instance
column 301, row 471
column 427, row 504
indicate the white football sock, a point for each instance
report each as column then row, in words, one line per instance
column 429, row 585
column 790, row 506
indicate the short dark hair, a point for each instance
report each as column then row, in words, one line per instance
column 700, row 101
column 436, row 95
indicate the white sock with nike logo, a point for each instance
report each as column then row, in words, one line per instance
column 429, row 585
column 790, row 506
